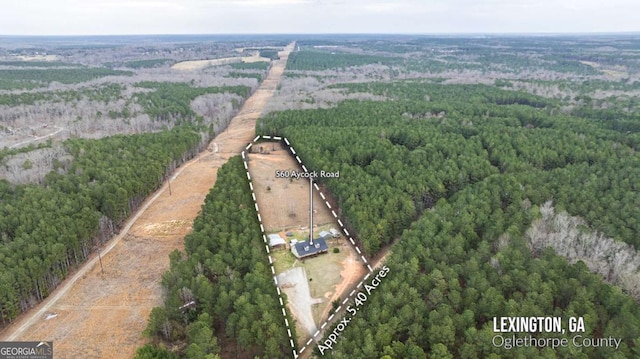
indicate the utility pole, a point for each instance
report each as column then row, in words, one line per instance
column 100, row 259
column 169, row 178
column 310, row 210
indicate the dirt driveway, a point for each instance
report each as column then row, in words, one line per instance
column 103, row 316
column 295, row 285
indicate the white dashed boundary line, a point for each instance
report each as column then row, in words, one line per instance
column 264, row 238
column 266, row 247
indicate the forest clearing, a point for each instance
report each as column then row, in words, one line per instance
column 193, row 65
column 311, row 284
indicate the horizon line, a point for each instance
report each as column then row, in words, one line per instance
column 511, row 33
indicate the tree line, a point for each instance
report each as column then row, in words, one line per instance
column 48, row 230
column 237, row 74
column 106, row 93
column 30, row 78
column 269, row 53
column 17, row 63
column 220, row 296
column 262, row 65
column 320, row 60
column 170, row 102
column 151, row 63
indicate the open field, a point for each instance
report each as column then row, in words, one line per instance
column 284, row 202
column 103, row 316
column 37, row 58
column 202, row 64
column 611, row 71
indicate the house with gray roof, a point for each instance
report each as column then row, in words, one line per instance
column 305, row 249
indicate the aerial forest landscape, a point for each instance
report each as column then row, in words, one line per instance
column 347, row 195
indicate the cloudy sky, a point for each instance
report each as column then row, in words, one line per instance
column 91, row 17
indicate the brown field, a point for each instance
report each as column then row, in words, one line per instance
column 202, row 64
column 103, row 316
column 36, row 58
column 613, row 71
column 284, row 207
column 284, row 203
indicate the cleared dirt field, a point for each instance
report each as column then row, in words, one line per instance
column 103, row 316
column 202, row 64
column 284, row 202
column 36, row 58
column 284, row 208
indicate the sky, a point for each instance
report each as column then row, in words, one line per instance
column 121, row 17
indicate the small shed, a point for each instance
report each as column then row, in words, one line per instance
column 325, row 234
column 276, row 242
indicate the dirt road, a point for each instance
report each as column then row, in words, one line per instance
column 37, row 138
column 103, row 316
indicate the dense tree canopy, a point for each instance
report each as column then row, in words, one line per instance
column 106, row 93
column 457, row 172
column 171, row 100
column 30, row 78
column 139, row 64
column 322, row 60
column 47, row 230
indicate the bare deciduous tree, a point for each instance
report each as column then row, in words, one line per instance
column 617, row 262
column 40, row 162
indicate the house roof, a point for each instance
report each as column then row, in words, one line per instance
column 304, row 249
column 275, row 240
